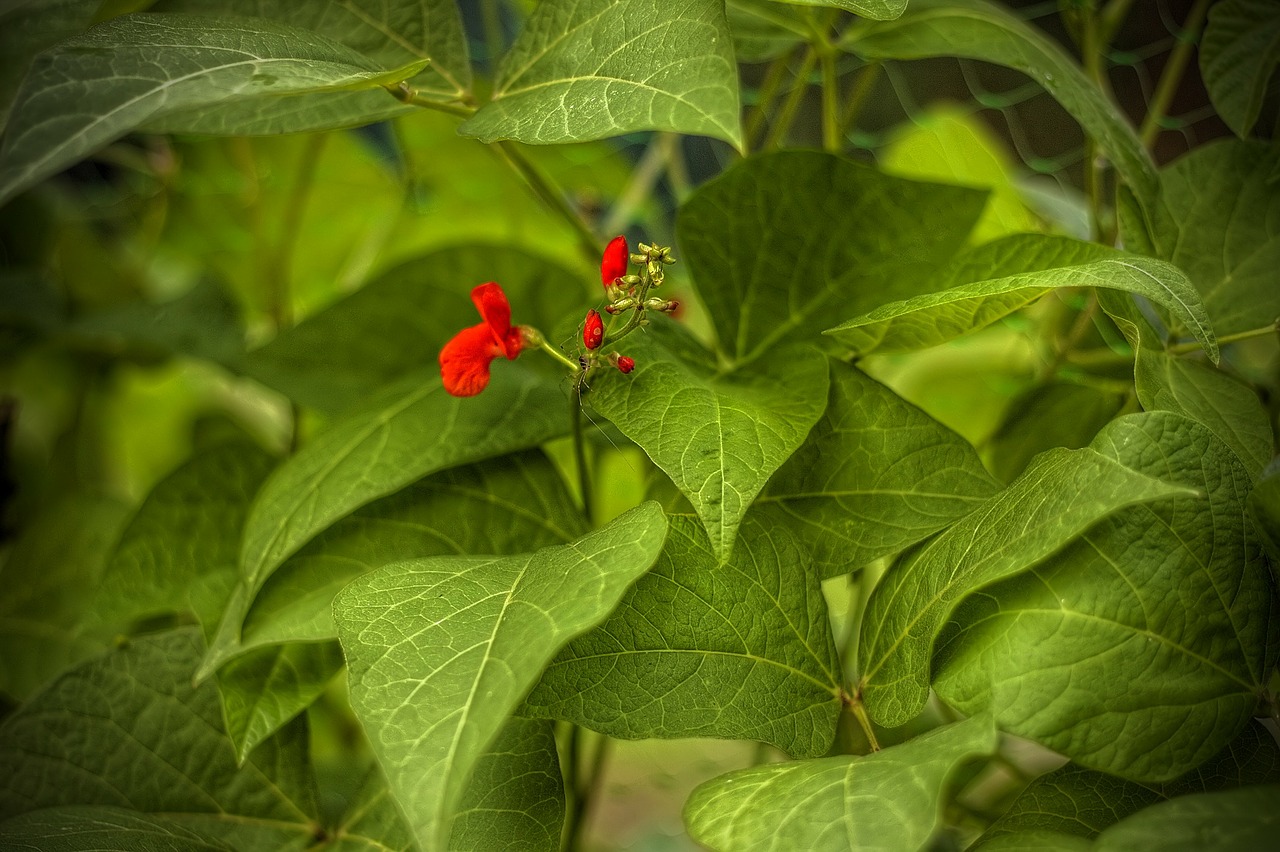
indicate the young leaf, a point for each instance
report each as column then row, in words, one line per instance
column 1238, row 55
column 703, row 648
column 874, row 476
column 1095, row 652
column 889, row 799
column 441, row 650
column 92, row 89
column 379, row 333
column 780, row 241
column 950, row 311
column 976, row 29
column 128, row 730
column 718, row 436
column 409, row 430
column 1083, row 802
column 596, row 68
column 503, row 506
column 1246, row 818
column 1060, row 495
column 1218, row 218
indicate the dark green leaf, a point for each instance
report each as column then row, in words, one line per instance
column 441, row 650
column 719, row 436
column 1246, row 818
column 92, row 89
column 975, row 29
column 596, row 68
column 703, row 648
column 1060, row 495
column 1138, row 650
column 128, row 730
column 891, row 799
column 1057, row 414
column 782, row 243
column 26, row 28
column 398, row 322
column 1238, row 55
column 79, row 828
column 1264, row 509
column 1218, row 218
column 874, row 476
column 764, row 29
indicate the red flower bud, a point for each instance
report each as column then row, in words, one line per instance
column 593, row 330
column 465, row 359
column 626, row 364
column 614, row 265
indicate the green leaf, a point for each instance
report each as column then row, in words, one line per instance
column 953, row 307
column 441, row 650
column 1093, row 653
column 780, row 242
column 1246, row 818
column 1229, row 408
column 763, row 30
column 373, row 822
column 876, row 10
column 262, row 690
column 1218, row 218
column 1238, row 54
column 409, row 430
column 128, row 730
column 80, row 828
column 597, row 68
column 1264, row 511
column 503, row 506
column 891, row 799
column 48, row 576
column 874, row 476
column 1056, row 414
column 1078, row 801
column 975, row 29
column 1059, row 496
column 179, row 552
column 92, row 89
column 703, row 648
column 26, row 28
column 719, row 436
column 381, row 332
column 516, row 796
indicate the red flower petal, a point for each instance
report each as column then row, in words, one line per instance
column 464, row 360
column 616, row 257
column 494, row 308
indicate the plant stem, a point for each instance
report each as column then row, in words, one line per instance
column 1171, row 76
column 831, row 139
column 583, row 785
column 580, row 449
column 405, row 93
column 643, row 179
column 1194, row 345
column 782, row 125
column 861, row 91
column 769, row 86
column 860, row 713
column 550, row 196
column 677, row 171
column 1112, row 16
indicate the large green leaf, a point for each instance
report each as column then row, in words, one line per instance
column 384, row 330
column 1229, row 408
column 441, row 650
column 1140, row 649
column 719, row 436
column 1078, row 801
column 891, row 799
column 26, row 28
column 48, row 575
column 874, row 476
column 1238, row 55
column 1059, row 496
column 703, row 648
column 960, row 302
column 179, row 552
column 596, row 68
column 976, row 29
column 88, row 828
column 1054, row 414
column 92, row 89
column 1246, row 818
column 876, row 10
column 1218, row 218
column 128, row 730
column 1264, row 510
column 503, row 506
column 781, row 242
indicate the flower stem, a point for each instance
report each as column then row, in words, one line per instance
column 580, row 449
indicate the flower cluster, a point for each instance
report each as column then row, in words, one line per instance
column 465, row 360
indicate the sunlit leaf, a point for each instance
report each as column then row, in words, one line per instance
column 891, row 799
column 1138, row 650
column 1239, row 52
column 702, row 648
column 874, row 476
column 1059, row 496
column 94, row 88
column 441, row 650
column 597, row 68
column 1246, row 818
column 876, row 10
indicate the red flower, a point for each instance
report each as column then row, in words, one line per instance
column 593, row 330
column 616, row 258
column 464, row 360
column 622, row 362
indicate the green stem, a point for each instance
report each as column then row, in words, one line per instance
column 643, row 179
column 580, row 449
column 1193, row 346
column 1112, row 16
column 864, row 721
column 677, row 170
column 782, row 126
column 1171, row 76
column 550, row 196
column 861, row 91
column 586, row 788
column 405, row 93
column 831, row 138
column 769, row 88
